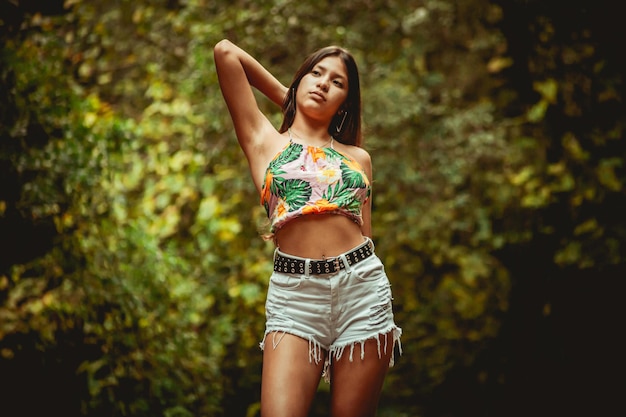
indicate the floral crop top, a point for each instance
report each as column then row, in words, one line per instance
column 303, row 180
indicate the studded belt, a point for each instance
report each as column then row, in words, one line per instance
column 289, row 265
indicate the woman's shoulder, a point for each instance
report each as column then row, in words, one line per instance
column 355, row 152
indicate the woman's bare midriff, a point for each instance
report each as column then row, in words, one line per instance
column 319, row 236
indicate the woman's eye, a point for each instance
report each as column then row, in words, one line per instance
column 338, row 83
column 315, row 72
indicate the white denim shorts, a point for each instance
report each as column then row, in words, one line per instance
column 333, row 311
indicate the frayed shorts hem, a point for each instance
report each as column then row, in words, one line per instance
column 335, row 352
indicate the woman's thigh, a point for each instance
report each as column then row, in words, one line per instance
column 357, row 383
column 290, row 379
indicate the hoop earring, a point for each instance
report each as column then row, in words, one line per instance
column 340, row 126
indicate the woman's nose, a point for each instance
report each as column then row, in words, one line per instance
column 323, row 84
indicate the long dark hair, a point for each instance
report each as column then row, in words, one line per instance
column 350, row 131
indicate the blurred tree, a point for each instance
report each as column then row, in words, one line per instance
column 560, row 345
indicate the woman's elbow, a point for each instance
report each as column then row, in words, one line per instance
column 223, row 47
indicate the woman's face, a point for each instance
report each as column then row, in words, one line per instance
column 323, row 90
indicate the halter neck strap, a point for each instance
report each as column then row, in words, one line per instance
column 328, row 144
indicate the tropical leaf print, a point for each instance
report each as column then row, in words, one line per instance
column 341, row 195
column 297, row 192
column 305, row 180
column 274, row 170
column 290, row 154
column 351, row 171
column 351, row 177
column 276, row 184
column 350, row 203
column 332, row 190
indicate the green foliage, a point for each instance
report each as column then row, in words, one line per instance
column 156, row 259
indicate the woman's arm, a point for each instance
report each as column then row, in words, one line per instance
column 237, row 72
column 365, row 160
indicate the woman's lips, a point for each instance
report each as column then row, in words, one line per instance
column 318, row 94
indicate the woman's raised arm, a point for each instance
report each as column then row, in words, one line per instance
column 237, row 72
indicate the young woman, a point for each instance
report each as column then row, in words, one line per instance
column 328, row 307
